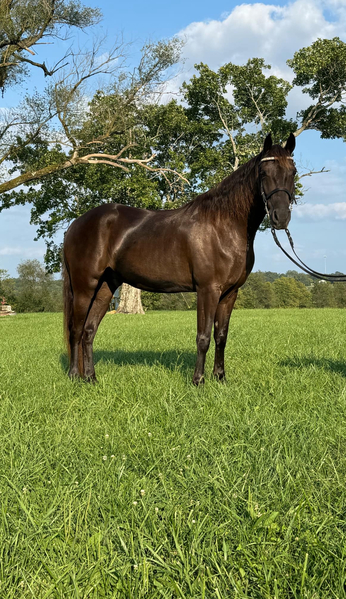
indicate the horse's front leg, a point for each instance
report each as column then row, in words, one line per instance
column 207, row 300
column 222, row 316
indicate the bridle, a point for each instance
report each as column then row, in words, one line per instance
column 265, row 196
column 300, row 263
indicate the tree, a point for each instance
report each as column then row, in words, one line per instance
column 322, row 294
column 36, row 290
column 7, row 287
column 256, row 293
column 340, row 295
column 60, row 132
column 130, row 301
column 321, row 70
column 257, row 100
column 291, row 293
column 301, row 277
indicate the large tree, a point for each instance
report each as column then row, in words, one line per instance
column 47, row 133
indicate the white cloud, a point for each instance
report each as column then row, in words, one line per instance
column 26, row 253
column 315, row 212
column 268, row 31
column 10, row 251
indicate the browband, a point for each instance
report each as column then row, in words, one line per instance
column 274, row 158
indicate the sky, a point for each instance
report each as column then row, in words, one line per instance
column 215, row 33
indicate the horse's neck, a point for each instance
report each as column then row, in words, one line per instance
column 255, row 214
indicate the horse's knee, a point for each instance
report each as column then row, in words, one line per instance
column 88, row 334
column 203, row 342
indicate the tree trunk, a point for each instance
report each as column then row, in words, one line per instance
column 130, row 300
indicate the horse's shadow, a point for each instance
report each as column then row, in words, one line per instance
column 170, row 359
column 336, row 366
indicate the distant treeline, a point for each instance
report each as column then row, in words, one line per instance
column 36, row 291
column 264, row 290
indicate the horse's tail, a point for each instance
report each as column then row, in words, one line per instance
column 68, row 305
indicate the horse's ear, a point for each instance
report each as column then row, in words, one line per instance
column 268, row 142
column 290, row 143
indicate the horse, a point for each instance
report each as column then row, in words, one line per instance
column 204, row 246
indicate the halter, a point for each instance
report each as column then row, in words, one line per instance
column 300, row 263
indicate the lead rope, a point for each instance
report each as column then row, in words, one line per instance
column 302, row 265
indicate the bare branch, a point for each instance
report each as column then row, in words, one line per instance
column 308, row 174
column 89, row 161
column 47, row 72
column 236, row 158
column 313, row 112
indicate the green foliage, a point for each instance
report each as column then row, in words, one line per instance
column 257, row 100
column 291, row 293
column 169, row 301
column 321, row 70
column 36, row 290
column 301, row 277
column 339, row 292
column 256, row 293
column 243, row 482
column 260, row 99
column 323, row 295
column 7, row 287
column 272, row 290
column 321, row 67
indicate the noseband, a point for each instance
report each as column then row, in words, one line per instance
column 300, row 263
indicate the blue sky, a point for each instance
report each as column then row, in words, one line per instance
column 215, row 33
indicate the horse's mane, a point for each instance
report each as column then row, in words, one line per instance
column 234, row 196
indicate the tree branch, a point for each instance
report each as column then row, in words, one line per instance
column 236, row 158
column 308, row 174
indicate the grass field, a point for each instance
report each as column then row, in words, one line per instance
column 144, row 486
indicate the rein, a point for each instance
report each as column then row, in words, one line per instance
column 300, row 263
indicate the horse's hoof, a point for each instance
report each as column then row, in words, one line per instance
column 74, row 376
column 220, row 376
column 198, row 381
column 91, row 379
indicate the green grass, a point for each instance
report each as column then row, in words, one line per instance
column 244, row 482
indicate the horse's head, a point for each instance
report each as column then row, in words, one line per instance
column 276, row 173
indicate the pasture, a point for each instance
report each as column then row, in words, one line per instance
column 144, row 486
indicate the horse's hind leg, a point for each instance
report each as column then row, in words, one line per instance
column 81, row 306
column 97, row 312
column 221, row 323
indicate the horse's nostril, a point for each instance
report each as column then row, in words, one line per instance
column 275, row 216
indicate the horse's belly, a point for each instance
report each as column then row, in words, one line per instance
column 153, row 271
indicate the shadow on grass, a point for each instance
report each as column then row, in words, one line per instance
column 170, row 359
column 337, row 366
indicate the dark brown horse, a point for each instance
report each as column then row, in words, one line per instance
column 204, row 246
